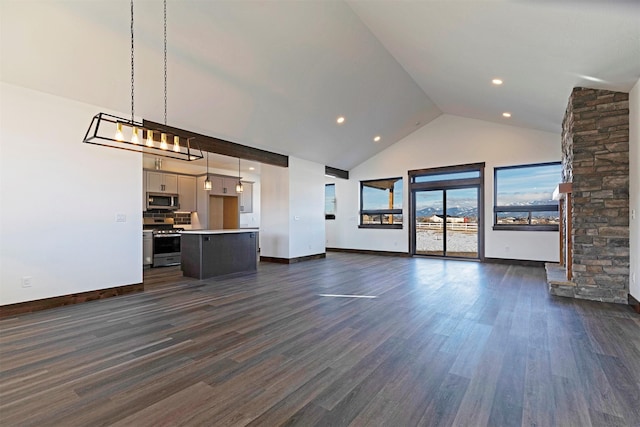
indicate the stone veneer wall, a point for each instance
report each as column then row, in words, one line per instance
column 595, row 157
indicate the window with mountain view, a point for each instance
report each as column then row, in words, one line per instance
column 523, row 197
column 381, row 203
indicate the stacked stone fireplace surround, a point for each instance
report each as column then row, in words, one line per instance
column 595, row 159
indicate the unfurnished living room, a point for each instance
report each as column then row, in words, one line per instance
column 320, row 212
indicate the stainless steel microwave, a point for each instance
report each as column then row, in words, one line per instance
column 162, row 201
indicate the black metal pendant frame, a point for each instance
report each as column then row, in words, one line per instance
column 102, row 131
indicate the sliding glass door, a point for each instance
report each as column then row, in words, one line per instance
column 446, row 212
column 429, row 227
column 446, row 222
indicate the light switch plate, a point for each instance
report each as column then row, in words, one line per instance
column 121, row 217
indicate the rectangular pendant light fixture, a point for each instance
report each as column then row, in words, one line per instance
column 125, row 134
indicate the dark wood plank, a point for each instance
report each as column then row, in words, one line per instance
column 444, row 343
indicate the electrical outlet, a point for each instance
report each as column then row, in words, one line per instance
column 26, row 281
column 633, row 214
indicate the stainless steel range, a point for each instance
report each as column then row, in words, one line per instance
column 166, row 241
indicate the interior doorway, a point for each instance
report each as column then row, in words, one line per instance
column 224, row 212
column 446, row 212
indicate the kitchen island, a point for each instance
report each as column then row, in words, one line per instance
column 211, row 253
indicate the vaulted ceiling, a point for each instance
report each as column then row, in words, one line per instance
column 276, row 74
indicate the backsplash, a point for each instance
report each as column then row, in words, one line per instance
column 180, row 218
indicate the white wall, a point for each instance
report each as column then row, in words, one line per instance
column 274, row 221
column 306, row 212
column 292, row 221
column 447, row 141
column 252, row 219
column 59, row 200
column 634, row 190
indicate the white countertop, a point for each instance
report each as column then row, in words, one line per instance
column 229, row 231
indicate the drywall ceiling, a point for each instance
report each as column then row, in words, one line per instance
column 540, row 49
column 275, row 75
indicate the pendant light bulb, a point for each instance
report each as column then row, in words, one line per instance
column 149, row 138
column 239, row 188
column 176, row 143
column 163, row 141
column 135, row 139
column 119, row 135
column 207, row 182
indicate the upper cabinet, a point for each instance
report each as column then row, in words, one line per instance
column 187, row 193
column 246, row 198
column 229, row 186
column 223, row 186
column 158, row 182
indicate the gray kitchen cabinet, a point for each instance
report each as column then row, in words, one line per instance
column 217, row 185
column 246, row 197
column 223, row 185
column 229, row 186
column 209, row 253
column 187, row 193
column 158, row 182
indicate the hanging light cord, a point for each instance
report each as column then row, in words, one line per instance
column 132, row 68
column 165, row 62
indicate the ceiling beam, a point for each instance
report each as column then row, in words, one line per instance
column 220, row 146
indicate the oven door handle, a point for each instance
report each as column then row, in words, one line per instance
column 166, row 235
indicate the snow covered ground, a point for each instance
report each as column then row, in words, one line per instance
column 457, row 241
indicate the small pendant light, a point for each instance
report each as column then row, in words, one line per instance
column 176, row 143
column 135, row 139
column 239, row 188
column 149, row 138
column 207, row 182
column 163, row 141
column 119, row 136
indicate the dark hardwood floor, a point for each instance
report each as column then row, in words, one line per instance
column 444, row 343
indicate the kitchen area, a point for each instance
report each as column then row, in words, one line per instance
column 191, row 198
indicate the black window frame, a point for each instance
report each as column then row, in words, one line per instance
column 380, row 212
column 527, row 208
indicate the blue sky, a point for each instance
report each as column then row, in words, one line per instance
column 521, row 185
column 379, row 199
column 516, row 186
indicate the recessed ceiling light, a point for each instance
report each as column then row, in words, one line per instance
column 496, row 82
column 340, row 120
column 506, row 114
column 377, row 138
column 252, row 168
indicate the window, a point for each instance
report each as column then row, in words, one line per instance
column 330, row 201
column 381, row 203
column 434, row 177
column 523, row 197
